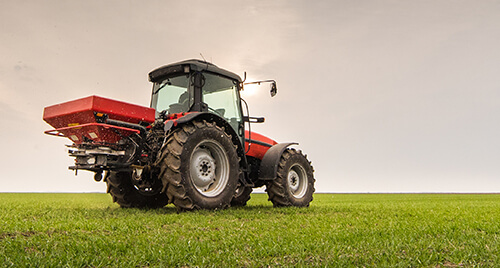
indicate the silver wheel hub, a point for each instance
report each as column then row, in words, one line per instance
column 204, row 168
column 209, row 168
column 293, row 180
column 297, row 181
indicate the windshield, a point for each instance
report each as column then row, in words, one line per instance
column 221, row 95
column 172, row 94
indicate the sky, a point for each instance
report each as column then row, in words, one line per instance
column 383, row 96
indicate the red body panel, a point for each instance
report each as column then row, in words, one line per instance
column 74, row 119
column 258, row 144
column 82, row 111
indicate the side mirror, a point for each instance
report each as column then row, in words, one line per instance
column 274, row 89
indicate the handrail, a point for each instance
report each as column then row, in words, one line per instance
column 57, row 132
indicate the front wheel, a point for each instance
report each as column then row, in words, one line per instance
column 294, row 183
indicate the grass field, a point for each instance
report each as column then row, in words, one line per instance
column 340, row 230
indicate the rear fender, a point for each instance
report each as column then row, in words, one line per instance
column 181, row 120
column 269, row 164
column 210, row 117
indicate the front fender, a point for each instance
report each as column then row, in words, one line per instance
column 270, row 161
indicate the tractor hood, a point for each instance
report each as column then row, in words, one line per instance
column 257, row 144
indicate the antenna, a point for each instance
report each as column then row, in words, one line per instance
column 203, row 57
column 204, row 60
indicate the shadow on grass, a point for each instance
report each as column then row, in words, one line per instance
column 248, row 209
column 269, row 209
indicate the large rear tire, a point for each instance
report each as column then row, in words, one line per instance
column 123, row 191
column 294, row 183
column 199, row 166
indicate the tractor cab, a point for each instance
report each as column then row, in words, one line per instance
column 196, row 86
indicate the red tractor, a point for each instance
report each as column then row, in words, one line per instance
column 193, row 148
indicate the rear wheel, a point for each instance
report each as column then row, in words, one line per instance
column 241, row 196
column 127, row 195
column 199, row 166
column 294, row 183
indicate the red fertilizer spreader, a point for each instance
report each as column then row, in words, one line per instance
column 97, row 119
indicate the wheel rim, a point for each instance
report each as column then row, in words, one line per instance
column 297, row 181
column 209, row 168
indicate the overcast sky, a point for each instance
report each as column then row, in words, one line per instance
column 383, row 96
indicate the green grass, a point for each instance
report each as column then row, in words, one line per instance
column 340, row 230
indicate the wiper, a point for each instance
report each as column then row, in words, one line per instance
column 158, row 89
column 162, row 86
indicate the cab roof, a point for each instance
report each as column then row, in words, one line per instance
column 194, row 65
